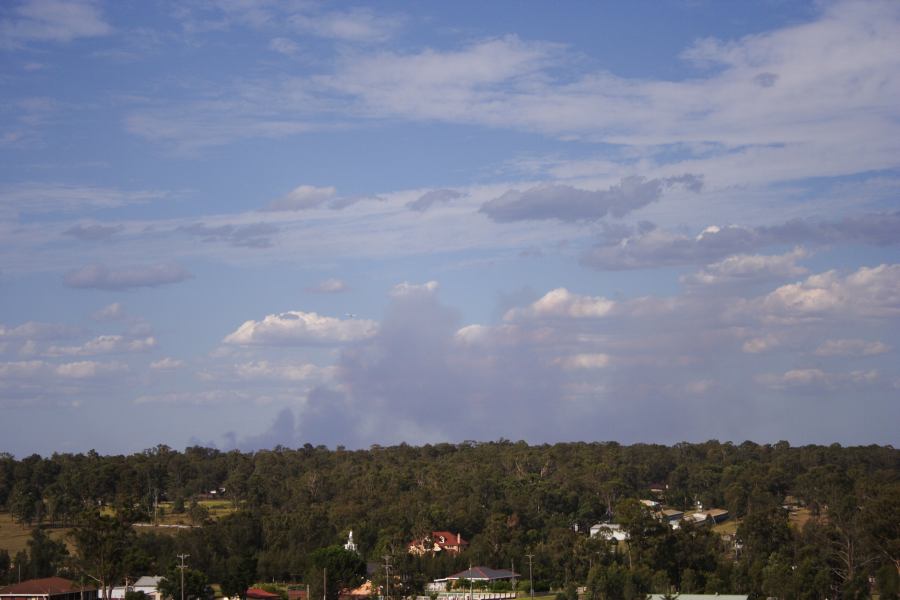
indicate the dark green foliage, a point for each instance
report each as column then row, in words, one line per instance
column 102, row 547
column 195, row 585
column 507, row 499
column 136, row 595
column 5, row 566
column 335, row 568
column 46, row 556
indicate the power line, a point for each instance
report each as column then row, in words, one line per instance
column 181, row 568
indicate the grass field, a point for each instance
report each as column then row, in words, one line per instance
column 217, row 509
column 14, row 537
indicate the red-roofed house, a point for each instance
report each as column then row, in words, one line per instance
column 438, row 541
column 48, row 588
column 261, row 594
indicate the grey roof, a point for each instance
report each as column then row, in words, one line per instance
column 483, row 574
column 150, row 581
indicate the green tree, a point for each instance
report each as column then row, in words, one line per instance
column 195, row 584
column 337, row 569
column 46, row 555
column 101, row 546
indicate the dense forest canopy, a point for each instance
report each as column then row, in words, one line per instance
column 508, row 499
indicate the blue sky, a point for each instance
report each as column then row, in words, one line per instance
column 244, row 224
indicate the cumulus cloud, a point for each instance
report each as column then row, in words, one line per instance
column 125, row 278
column 110, row 312
column 749, row 267
column 566, row 203
column 851, row 348
column 867, row 292
column 303, row 197
column 254, row 235
column 562, row 303
column 329, row 286
column 93, row 233
column 301, row 328
column 53, row 21
column 432, row 197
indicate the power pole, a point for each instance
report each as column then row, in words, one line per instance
column 387, row 576
column 530, row 574
column 181, row 568
column 324, row 583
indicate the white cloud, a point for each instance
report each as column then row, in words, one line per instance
column 28, row 198
column 817, row 379
column 265, row 370
column 406, row 289
column 124, row 278
column 284, row 46
column 302, row 197
column 89, row 369
column 353, row 25
column 562, row 303
column 851, row 348
column 110, row 312
column 53, row 21
column 757, row 345
column 166, row 363
column 301, row 328
column 34, row 330
column 868, row 292
column 749, row 267
column 21, row 369
column 204, row 398
column 329, row 286
column 566, row 203
column 105, row 344
column 585, row 361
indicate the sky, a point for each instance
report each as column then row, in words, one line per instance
column 242, row 224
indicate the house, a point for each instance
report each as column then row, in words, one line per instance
column 609, row 531
column 715, row 515
column 438, row 541
column 671, row 515
column 261, row 594
column 147, row 584
column 701, row 596
column 477, row 575
column 48, row 588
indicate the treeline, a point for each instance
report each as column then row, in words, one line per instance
column 509, row 500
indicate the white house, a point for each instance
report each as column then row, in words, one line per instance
column 609, row 531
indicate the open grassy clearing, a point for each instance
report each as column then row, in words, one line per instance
column 14, row 537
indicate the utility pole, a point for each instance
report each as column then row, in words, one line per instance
column 181, row 568
column 324, row 583
column 530, row 574
column 387, row 576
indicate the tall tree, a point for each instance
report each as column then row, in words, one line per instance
column 335, row 568
column 102, row 543
column 46, row 555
